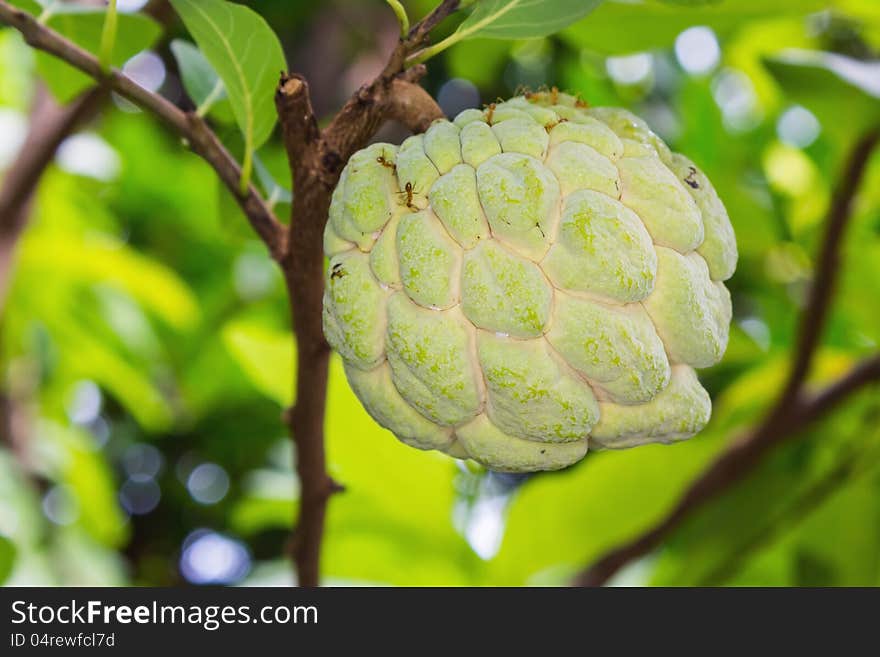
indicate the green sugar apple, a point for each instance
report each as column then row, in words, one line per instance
column 527, row 281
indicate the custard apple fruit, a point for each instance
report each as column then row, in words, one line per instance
column 528, row 281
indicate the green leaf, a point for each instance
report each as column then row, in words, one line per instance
column 252, row 515
column 247, row 55
column 107, row 261
column 619, row 27
column 201, row 81
column 70, row 457
column 275, row 193
column 514, row 19
column 523, row 19
column 7, row 558
column 843, row 93
column 561, row 522
column 396, row 512
column 266, row 356
column 134, row 33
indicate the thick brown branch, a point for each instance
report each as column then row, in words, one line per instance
column 395, row 97
column 49, row 125
column 412, row 106
column 201, row 138
column 316, row 161
column 303, row 269
column 793, row 410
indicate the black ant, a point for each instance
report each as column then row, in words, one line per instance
column 337, row 271
column 691, row 178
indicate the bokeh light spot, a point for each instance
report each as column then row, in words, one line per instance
column 697, row 50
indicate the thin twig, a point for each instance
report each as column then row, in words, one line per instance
column 855, row 463
column 793, row 410
column 50, row 124
column 828, row 265
column 731, row 466
column 201, row 138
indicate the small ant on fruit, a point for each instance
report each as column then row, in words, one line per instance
column 337, row 271
column 385, row 163
column 490, row 112
column 408, row 192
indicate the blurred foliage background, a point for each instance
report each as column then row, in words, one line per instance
column 146, row 350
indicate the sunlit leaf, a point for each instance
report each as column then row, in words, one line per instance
column 7, row 558
column 396, row 511
column 255, row 514
column 624, row 26
column 111, row 263
column 566, row 520
column 246, row 54
column 266, row 357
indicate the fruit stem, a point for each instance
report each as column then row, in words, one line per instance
column 402, row 18
column 108, row 36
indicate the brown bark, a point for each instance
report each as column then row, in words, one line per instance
column 316, row 161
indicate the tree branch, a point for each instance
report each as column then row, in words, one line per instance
column 828, row 265
column 49, row 126
column 855, row 463
column 794, row 409
column 316, row 161
column 196, row 131
column 735, row 462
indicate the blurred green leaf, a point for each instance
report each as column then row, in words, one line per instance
column 275, row 193
column 201, row 81
column 843, row 93
column 396, row 511
column 252, row 515
column 7, row 558
column 785, row 504
column 266, row 357
column 481, row 61
column 129, row 383
column 70, row 456
column 570, row 518
column 134, row 34
column 513, row 19
column 16, row 71
column 107, row 261
column 246, row 54
column 623, row 26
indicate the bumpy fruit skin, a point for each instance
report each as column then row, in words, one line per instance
column 527, row 281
